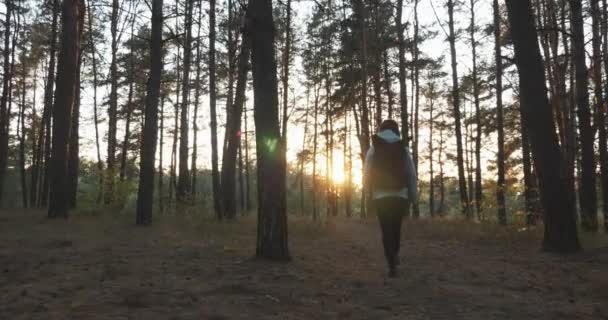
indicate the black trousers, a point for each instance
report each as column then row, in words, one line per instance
column 390, row 213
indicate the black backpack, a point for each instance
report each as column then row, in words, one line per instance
column 388, row 169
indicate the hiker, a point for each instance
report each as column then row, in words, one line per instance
column 391, row 177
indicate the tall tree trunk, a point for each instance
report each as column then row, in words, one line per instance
column 500, row 161
column 113, row 105
column 303, row 153
column 388, row 85
column 95, row 114
column 587, row 189
column 364, row 138
column 4, row 112
column 65, row 98
column 402, row 74
column 431, row 150
column 215, row 174
column 560, row 223
column 197, row 99
column 529, row 185
column 21, row 135
column 233, row 129
column 74, row 147
column 478, row 181
column 416, row 83
column 248, row 205
column 35, row 167
column 603, row 120
column 464, row 198
column 272, row 217
column 48, row 106
column 315, row 140
column 441, row 171
column 145, row 194
column 125, row 143
column 183, row 183
column 285, row 78
column 160, row 153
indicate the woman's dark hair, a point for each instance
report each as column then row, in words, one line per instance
column 390, row 125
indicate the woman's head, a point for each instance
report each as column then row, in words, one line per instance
column 389, row 125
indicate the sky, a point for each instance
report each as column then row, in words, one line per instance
column 432, row 15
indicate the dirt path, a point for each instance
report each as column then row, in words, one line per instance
column 102, row 268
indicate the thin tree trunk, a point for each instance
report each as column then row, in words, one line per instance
column 183, row 183
column 248, row 205
column 4, row 111
column 464, row 198
column 303, row 153
column 529, row 192
column 587, row 190
column 228, row 186
column 416, row 97
column 431, row 150
column 35, row 167
column 95, row 114
column 402, row 74
column 560, row 224
column 315, row 212
column 129, row 107
column 65, row 98
column 500, row 161
column 48, row 106
column 21, row 135
column 217, row 206
column 160, row 154
column 113, row 105
column 388, row 84
column 145, row 195
column 478, row 181
column 74, row 147
column 197, row 99
column 602, row 122
column 441, row 171
column 285, row 79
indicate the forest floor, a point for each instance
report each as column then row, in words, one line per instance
column 103, row 267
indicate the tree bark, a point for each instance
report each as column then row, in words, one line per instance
column 196, row 100
column 233, row 130
column 402, row 76
column 560, row 223
column 217, row 205
column 65, row 98
column 21, row 135
column 587, row 188
column 272, row 217
column 500, row 161
column 95, row 114
column 161, row 175
column 183, row 181
column 285, row 79
column 74, row 147
column 478, row 181
column 145, row 193
column 4, row 112
column 48, row 106
column 464, row 198
column 113, row 106
column 603, row 120
column 416, row 98
column 129, row 106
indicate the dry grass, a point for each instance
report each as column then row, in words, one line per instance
column 186, row 266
